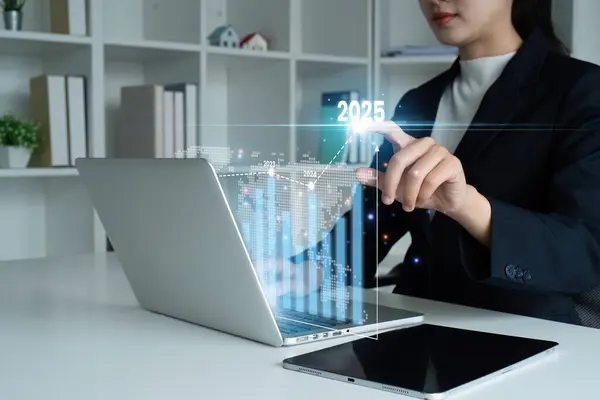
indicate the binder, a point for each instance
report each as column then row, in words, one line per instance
column 77, row 120
column 48, row 104
column 190, row 114
column 69, row 17
column 141, row 122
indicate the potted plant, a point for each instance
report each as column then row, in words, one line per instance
column 18, row 140
column 13, row 14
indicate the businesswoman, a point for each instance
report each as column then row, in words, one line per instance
column 493, row 167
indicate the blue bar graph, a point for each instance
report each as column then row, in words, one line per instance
column 357, row 256
column 246, row 237
column 271, row 260
column 313, row 298
column 326, row 265
column 340, row 261
column 286, row 240
column 259, row 254
column 299, row 277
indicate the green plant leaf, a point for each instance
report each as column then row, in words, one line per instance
column 15, row 131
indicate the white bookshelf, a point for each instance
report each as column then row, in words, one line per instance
column 253, row 100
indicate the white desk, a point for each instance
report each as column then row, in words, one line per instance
column 70, row 329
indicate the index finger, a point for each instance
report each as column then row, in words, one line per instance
column 390, row 130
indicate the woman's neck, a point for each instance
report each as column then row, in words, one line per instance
column 496, row 42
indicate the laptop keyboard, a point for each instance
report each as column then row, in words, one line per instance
column 297, row 323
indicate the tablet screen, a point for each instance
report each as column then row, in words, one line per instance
column 426, row 358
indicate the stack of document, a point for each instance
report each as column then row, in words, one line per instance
column 157, row 121
column 420, row 50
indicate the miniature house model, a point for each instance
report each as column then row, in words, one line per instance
column 224, row 36
column 254, row 41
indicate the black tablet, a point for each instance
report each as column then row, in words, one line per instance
column 425, row 361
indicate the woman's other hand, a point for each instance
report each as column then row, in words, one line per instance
column 420, row 174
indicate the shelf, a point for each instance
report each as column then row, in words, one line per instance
column 418, row 60
column 247, row 105
column 145, row 50
column 270, row 54
column 317, row 66
column 335, row 27
column 332, row 59
column 38, row 172
column 159, row 20
column 399, row 23
column 271, row 18
column 314, row 78
column 40, row 44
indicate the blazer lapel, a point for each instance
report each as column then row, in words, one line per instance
column 505, row 98
column 418, row 115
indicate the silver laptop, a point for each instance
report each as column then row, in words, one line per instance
column 179, row 245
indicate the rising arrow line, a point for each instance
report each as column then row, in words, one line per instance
column 333, row 159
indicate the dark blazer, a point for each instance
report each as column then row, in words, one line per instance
column 533, row 150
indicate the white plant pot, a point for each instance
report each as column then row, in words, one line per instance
column 14, row 156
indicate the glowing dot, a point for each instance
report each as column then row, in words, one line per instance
column 311, row 186
column 385, row 236
column 359, row 126
column 240, row 155
column 385, row 164
column 416, row 260
column 370, row 217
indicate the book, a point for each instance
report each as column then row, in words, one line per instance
column 141, row 123
column 76, row 116
column 190, row 111
column 48, row 105
column 69, row 17
column 168, row 123
column 178, row 122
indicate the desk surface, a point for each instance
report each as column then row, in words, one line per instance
column 71, row 329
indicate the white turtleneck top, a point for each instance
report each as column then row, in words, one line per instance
column 462, row 98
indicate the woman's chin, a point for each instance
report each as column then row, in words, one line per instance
column 450, row 37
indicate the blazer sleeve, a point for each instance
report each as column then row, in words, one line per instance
column 556, row 251
column 377, row 223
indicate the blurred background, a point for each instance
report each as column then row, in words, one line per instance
column 256, row 77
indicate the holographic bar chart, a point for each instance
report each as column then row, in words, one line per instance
column 313, row 267
column 299, row 278
column 304, row 263
column 286, row 242
column 340, row 265
column 357, row 255
column 259, row 244
column 271, row 258
column 326, row 266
